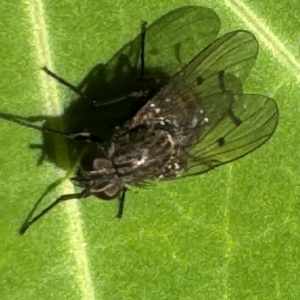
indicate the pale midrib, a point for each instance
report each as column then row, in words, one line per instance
column 265, row 35
column 50, row 93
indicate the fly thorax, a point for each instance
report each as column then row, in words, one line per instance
column 146, row 152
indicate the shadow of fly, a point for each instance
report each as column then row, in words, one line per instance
column 198, row 121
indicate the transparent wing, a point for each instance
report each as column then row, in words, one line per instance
column 223, row 65
column 168, row 48
column 248, row 124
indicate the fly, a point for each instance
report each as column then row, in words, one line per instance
column 198, row 121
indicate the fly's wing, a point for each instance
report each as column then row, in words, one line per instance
column 169, row 47
column 248, row 124
column 167, row 44
column 223, row 65
column 250, row 120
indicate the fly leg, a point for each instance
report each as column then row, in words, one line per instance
column 61, row 199
column 121, row 204
column 66, row 83
column 80, row 136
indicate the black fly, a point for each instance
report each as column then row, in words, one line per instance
column 198, row 121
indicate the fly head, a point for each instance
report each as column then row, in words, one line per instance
column 97, row 175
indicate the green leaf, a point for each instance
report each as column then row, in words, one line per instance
column 232, row 233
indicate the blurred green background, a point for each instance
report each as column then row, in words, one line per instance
column 229, row 234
